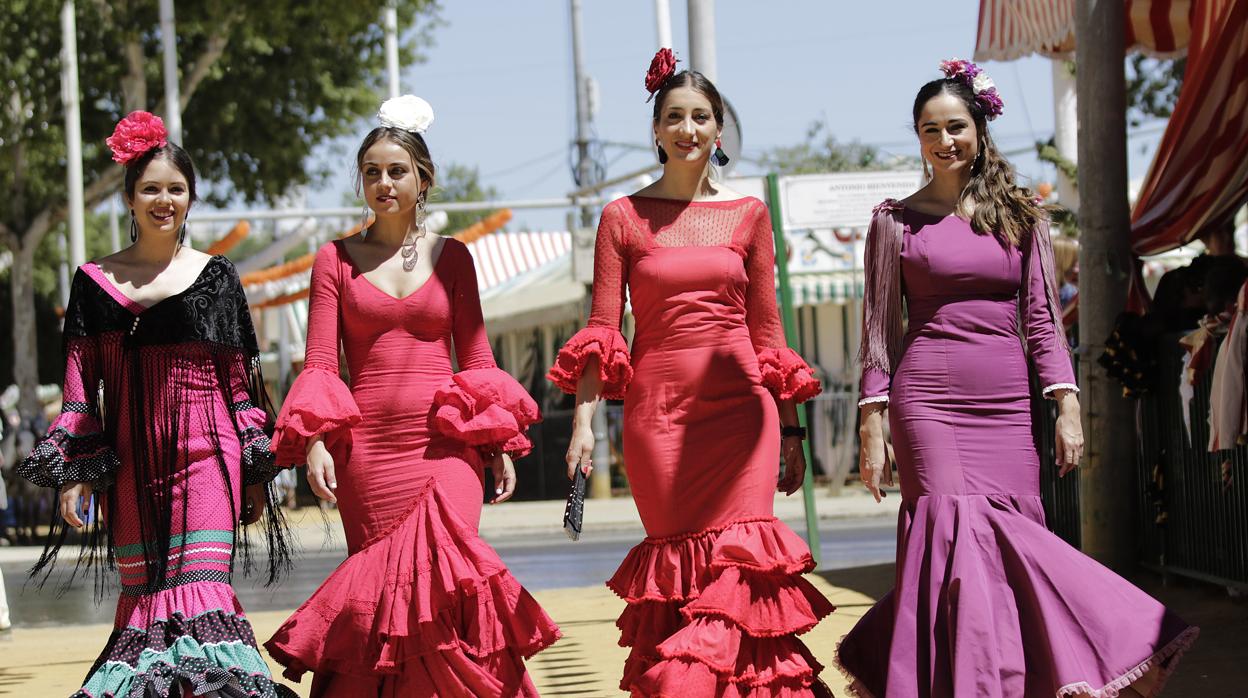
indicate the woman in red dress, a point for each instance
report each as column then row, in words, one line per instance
column 714, row 592
column 422, row 606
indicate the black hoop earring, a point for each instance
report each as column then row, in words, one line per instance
column 662, row 153
column 182, row 234
column 134, row 228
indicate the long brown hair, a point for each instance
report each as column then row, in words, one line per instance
column 1000, row 206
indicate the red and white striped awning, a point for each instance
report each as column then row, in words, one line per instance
column 505, row 255
column 1010, row 29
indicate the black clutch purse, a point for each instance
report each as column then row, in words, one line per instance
column 576, row 505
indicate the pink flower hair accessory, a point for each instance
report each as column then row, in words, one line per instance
column 662, row 67
column 971, row 75
column 136, row 134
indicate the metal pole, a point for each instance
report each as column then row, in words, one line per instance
column 62, row 273
column 73, row 134
column 169, row 45
column 1066, row 129
column 702, row 38
column 392, row 47
column 584, row 166
column 663, row 23
column 1105, row 258
column 790, row 338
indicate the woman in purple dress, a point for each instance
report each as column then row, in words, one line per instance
column 988, row 602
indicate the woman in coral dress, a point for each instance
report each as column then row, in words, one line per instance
column 715, row 594
column 422, row 606
column 176, row 453
column 988, row 602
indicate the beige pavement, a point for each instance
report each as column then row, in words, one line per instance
column 586, row 662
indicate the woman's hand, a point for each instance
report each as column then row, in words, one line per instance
column 254, row 500
column 794, row 465
column 1069, row 433
column 873, row 467
column 504, row 478
column 321, row 470
column 580, row 449
column 75, row 497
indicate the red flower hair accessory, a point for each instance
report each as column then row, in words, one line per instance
column 662, row 67
column 136, row 134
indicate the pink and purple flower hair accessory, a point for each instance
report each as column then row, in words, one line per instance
column 136, row 134
column 981, row 85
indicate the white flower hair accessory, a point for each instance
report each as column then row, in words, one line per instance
column 408, row 112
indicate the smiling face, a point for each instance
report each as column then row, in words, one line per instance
column 686, row 128
column 161, row 198
column 392, row 184
column 947, row 135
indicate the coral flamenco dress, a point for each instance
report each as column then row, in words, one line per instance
column 715, row 594
column 988, row 602
column 164, row 415
column 421, row 606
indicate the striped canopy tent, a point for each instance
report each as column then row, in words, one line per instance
column 1011, row 29
column 1199, row 177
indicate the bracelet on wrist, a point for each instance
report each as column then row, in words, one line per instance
column 799, row 432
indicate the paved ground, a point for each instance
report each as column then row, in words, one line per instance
column 47, row 656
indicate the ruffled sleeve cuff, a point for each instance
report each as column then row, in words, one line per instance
column 318, row 403
column 486, row 408
column 74, row 450
column 787, row 375
column 259, row 461
column 614, row 363
column 1048, row 390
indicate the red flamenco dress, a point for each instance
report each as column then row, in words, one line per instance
column 715, row 593
column 421, row 606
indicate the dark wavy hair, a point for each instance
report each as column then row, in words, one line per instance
column 410, row 141
column 1002, row 207
column 699, row 83
column 171, row 152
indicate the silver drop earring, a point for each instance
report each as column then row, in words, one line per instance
column 414, row 234
column 363, row 221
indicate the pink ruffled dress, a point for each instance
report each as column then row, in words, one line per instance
column 422, row 606
column 715, row 593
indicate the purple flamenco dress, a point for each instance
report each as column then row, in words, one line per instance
column 988, row 602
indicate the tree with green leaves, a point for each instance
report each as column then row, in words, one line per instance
column 261, row 85
column 457, row 183
column 820, row 151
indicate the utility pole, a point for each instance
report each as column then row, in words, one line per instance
column 173, row 96
column 1106, row 475
column 1065, row 129
column 586, row 175
column 702, row 38
column 663, row 23
column 392, row 47
column 73, row 135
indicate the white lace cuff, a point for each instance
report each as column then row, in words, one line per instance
column 869, row 400
column 1048, row 391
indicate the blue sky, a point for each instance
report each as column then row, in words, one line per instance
column 499, row 77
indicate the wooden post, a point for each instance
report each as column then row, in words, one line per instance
column 1107, row 473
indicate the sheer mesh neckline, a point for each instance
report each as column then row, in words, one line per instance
column 686, row 202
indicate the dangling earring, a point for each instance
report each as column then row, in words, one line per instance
column 719, row 156
column 363, row 221
column 134, row 228
column 927, row 174
column 182, row 233
column 662, row 153
column 414, row 234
